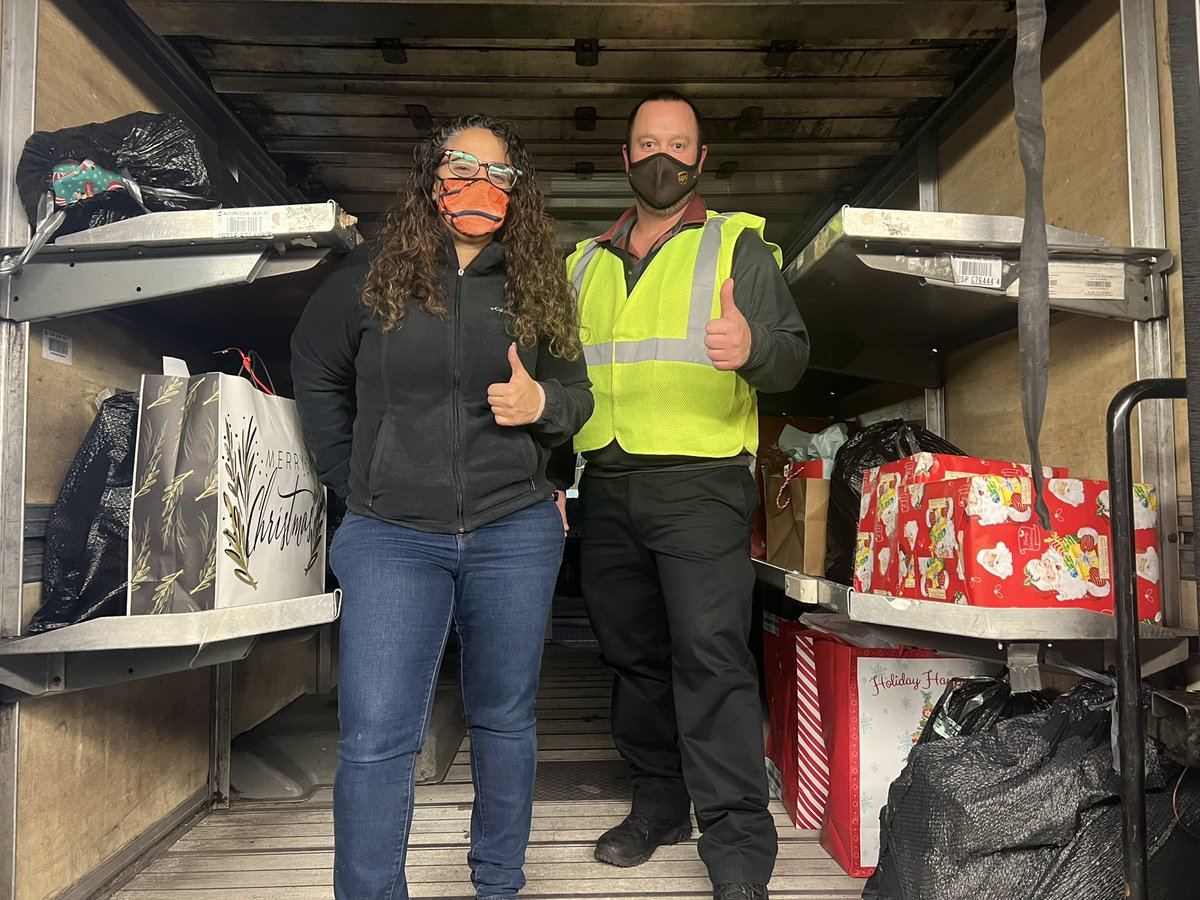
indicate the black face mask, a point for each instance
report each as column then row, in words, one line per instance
column 661, row 180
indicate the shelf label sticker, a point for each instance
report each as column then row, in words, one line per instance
column 241, row 223
column 1084, row 280
column 57, row 346
column 978, row 271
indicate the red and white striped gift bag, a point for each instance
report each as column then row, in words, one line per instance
column 812, row 769
column 797, row 767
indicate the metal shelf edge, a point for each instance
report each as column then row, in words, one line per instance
column 998, row 624
column 180, row 629
column 304, row 224
column 935, row 617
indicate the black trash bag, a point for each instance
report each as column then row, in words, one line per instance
column 1028, row 810
column 87, row 538
column 160, row 154
column 971, row 705
column 875, row 445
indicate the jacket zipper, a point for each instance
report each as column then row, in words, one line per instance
column 383, row 380
column 458, row 490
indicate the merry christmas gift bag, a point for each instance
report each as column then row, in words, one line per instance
column 873, row 706
column 227, row 510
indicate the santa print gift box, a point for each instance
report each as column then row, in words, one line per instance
column 977, row 541
column 882, row 491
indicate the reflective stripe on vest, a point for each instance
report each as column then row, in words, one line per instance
column 689, row 349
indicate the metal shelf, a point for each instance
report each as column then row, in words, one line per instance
column 1019, row 638
column 168, row 254
column 124, row 648
column 907, row 275
column 994, row 624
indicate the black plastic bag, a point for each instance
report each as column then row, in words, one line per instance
column 971, row 705
column 87, row 538
column 157, row 152
column 875, row 445
column 1027, row 810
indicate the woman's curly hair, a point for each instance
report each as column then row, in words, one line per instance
column 539, row 301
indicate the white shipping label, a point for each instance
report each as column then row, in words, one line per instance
column 978, row 271
column 241, row 223
column 1094, row 281
column 57, row 347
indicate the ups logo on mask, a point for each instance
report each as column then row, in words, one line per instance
column 683, row 177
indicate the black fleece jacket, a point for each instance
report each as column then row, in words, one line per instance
column 399, row 422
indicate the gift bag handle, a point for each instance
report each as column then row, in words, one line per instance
column 248, row 360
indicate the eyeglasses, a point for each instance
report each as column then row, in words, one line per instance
column 464, row 165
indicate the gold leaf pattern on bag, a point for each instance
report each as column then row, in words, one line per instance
column 208, row 575
column 239, row 466
column 163, row 591
column 167, row 391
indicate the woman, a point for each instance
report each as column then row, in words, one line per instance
column 434, row 369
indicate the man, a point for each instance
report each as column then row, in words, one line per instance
column 685, row 315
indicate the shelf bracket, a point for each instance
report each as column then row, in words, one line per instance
column 1024, row 667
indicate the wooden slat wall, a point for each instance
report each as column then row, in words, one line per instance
column 1086, row 189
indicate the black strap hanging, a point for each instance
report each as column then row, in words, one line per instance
column 1033, row 306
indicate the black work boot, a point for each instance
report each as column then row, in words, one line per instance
column 742, row 890
column 634, row 841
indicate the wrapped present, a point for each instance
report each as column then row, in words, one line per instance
column 797, row 514
column 873, row 707
column 876, row 551
column 977, row 541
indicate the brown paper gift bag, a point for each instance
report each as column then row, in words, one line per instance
column 797, row 510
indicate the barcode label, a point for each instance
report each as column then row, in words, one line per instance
column 241, row 223
column 978, row 271
column 56, row 346
column 1091, row 281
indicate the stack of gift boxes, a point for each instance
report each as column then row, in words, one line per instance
column 962, row 530
column 943, row 529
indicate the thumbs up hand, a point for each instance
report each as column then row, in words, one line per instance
column 728, row 338
column 518, row 401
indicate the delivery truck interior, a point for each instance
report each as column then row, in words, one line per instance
column 176, row 178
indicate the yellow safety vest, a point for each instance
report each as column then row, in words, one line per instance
column 656, row 390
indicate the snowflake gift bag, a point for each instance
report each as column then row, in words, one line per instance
column 873, row 706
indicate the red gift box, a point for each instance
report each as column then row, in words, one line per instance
column 875, row 561
column 977, row 541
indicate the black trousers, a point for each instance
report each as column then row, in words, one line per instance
column 667, row 579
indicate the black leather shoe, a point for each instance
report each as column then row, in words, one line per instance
column 742, row 890
column 634, row 841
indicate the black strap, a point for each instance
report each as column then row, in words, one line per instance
column 1033, row 305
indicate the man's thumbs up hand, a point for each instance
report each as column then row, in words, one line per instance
column 518, row 401
column 728, row 338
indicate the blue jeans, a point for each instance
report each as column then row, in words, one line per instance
column 402, row 591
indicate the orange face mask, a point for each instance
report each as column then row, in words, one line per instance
column 472, row 206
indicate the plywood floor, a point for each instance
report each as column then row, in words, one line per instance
column 284, row 851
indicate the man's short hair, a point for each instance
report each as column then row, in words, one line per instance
column 665, row 94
